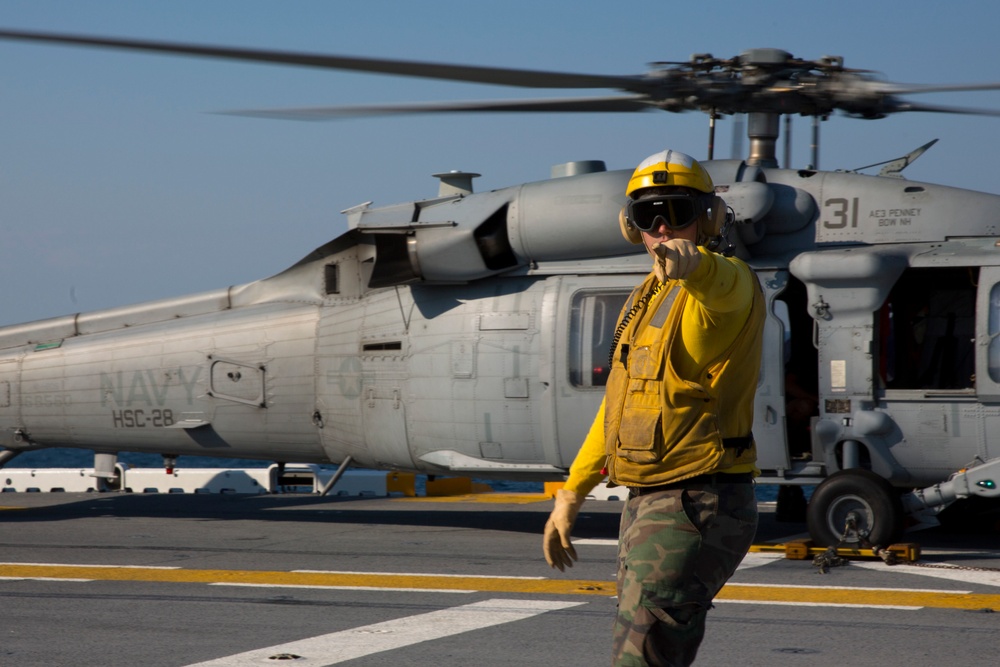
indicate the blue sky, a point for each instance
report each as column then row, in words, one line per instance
column 117, row 187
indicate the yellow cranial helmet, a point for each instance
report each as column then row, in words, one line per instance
column 669, row 169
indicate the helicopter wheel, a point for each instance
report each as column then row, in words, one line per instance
column 859, row 497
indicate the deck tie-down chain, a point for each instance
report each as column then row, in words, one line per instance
column 829, row 558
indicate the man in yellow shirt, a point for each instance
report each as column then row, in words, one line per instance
column 675, row 424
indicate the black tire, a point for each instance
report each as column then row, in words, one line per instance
column 871, row 498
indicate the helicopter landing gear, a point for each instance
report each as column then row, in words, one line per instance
column 856, row 508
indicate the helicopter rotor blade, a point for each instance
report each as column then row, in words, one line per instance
column 930, row 108
column 916, row 88
column 468, row 73
column 587, row 104
column 767, row 81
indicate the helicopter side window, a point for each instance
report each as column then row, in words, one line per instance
column 593, row 317
column 927, row 330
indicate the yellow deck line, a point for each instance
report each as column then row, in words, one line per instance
column 855, row 596
column 734, row 592
column 320, row 579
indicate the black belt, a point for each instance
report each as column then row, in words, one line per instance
column 740, row 444
column 713, row 478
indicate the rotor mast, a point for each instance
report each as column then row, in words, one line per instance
column 763, row 130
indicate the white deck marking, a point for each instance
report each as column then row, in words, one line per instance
column 345, row 588
column 751, row 560
column 110, row 567
column 420, row 574
column 758, row 559
column 950, row 572
column 819, row 604
column 346, row 645
column 868, row 589
column 42, row 579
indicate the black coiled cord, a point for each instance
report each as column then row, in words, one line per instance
column 639, row 305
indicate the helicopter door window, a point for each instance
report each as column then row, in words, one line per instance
column 994, row 334
column 800, row 366
column 593, row 317
column 927, row 330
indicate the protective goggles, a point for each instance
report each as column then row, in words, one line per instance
column 677, row 211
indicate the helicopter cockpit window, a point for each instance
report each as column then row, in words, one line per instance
column 927, row 330
column 593, row 317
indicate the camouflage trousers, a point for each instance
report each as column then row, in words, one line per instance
column 676, row 550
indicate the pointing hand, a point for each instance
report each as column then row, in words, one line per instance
column 675, row 259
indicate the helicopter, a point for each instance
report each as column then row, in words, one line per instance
column 462, row 334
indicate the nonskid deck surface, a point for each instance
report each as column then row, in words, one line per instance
column 177, row 580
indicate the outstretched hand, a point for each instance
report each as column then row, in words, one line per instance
column 675, row 259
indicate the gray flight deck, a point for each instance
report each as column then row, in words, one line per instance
column 301, row 580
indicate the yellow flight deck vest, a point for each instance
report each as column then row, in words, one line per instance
column 660, row 427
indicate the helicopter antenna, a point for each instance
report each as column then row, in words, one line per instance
column 814, row 145
column 894, row 168
column 736, row 147
column 788, row 141
column 712, row 116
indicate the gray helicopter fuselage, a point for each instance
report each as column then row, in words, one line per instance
column 469, row 334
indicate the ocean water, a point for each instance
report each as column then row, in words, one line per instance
column 82, row 458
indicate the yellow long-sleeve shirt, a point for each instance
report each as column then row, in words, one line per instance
column 721, row 291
